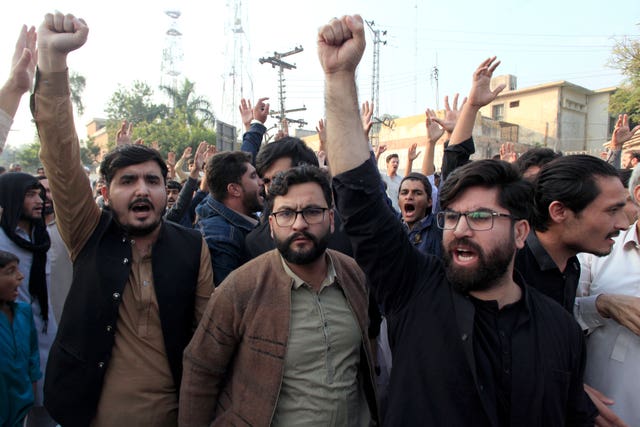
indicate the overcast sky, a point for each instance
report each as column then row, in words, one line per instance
column 538, row 41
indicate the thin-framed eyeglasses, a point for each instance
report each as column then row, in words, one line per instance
column 286, row 217
column 480, row 220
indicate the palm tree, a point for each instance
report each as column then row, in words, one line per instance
column 197, row 109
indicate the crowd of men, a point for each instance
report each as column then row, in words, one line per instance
column 280, row 286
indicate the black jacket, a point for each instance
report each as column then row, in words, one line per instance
column 81, row 351
column 434, row 380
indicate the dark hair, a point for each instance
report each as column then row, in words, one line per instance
column 536, row 157
column 293, row 148
column 174, row 185
column 127, row 155
column 391, row 156
column 415, row 176
column 7, row 258
column 625, row 174
column 301, row 175
column 570, row 180
column 41, row 177
column 223, row 169
column 514, row 193
column 634, row 154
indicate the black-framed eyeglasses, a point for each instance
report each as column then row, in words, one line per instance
column 286, row 217
column 481, row 220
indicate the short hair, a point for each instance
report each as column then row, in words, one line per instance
column 634, row 181
column 301, row 175
column 225, row 168
column 2, row 169
column 293, row 148
column 416, row 176
column 7, row 258
column 570, row 180
column 634, row 154
column 514, row 193
column 536, row 157
column 127, row 155
column 174, row 185
column 391, row 156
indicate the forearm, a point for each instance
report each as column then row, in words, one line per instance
column 615, row 157
column 428, row 163
column 76, row 213
column 10, row 99
column 464, row 127
column 5, row 125
column 409, row 168
column 347, row 148
column 252, row 139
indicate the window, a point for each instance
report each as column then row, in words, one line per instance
column 498, row 112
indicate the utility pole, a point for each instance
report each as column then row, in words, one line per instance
column 435, row 75
column 276, row 61
column 375, row 81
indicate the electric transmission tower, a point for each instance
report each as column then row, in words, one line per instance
column 375, row 79
column 172, row 54
column 236, row 73
column 276, row 61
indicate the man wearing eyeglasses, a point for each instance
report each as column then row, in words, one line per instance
column 284, row 338
column 472, row 344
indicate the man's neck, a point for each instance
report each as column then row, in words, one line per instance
column 392, row 172
column 505, row 292
column 25, row 225
column 313, row 273
column 236, row 205
column 142, row 245
column 557, row 250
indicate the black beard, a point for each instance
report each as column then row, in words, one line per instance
column 252, row 202
column 302, row 257
column 47, row 209
column 490, row 268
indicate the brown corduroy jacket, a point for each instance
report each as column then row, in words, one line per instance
column 234, row 365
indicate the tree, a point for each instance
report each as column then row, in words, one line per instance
column 626, row 58
column 173, row 134
column 77, row 83
column 27, row 156
column 196, row 108
column 134, row 104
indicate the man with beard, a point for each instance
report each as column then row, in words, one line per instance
column 578, row 207
column 284, row 338
column 472, row 344
column 23, row 232
column 58, row 256
column 227, row 214
column 139, row 283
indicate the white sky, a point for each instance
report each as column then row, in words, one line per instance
column 538, row 41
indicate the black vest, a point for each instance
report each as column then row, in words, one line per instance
column 82, row 348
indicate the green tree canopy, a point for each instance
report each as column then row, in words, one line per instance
column 625, row 56
column 187, row 122
column 196, row 108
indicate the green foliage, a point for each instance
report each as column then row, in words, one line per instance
column 187, row 122
column 196, row 109
column 27, row 156
column 88, row 152
column 77, row 83
column 625, row 56
column 173, row 134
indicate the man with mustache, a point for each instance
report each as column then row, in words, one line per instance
column 227, row 213
column 472, row 344
column 284, row 338
column 139, row 283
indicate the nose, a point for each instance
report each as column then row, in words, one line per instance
column 20, row 275
column 622, row 222
column 299, row 223
column 462, row 228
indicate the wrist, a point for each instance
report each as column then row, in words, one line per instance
column 51, row 62
column 601, row 305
